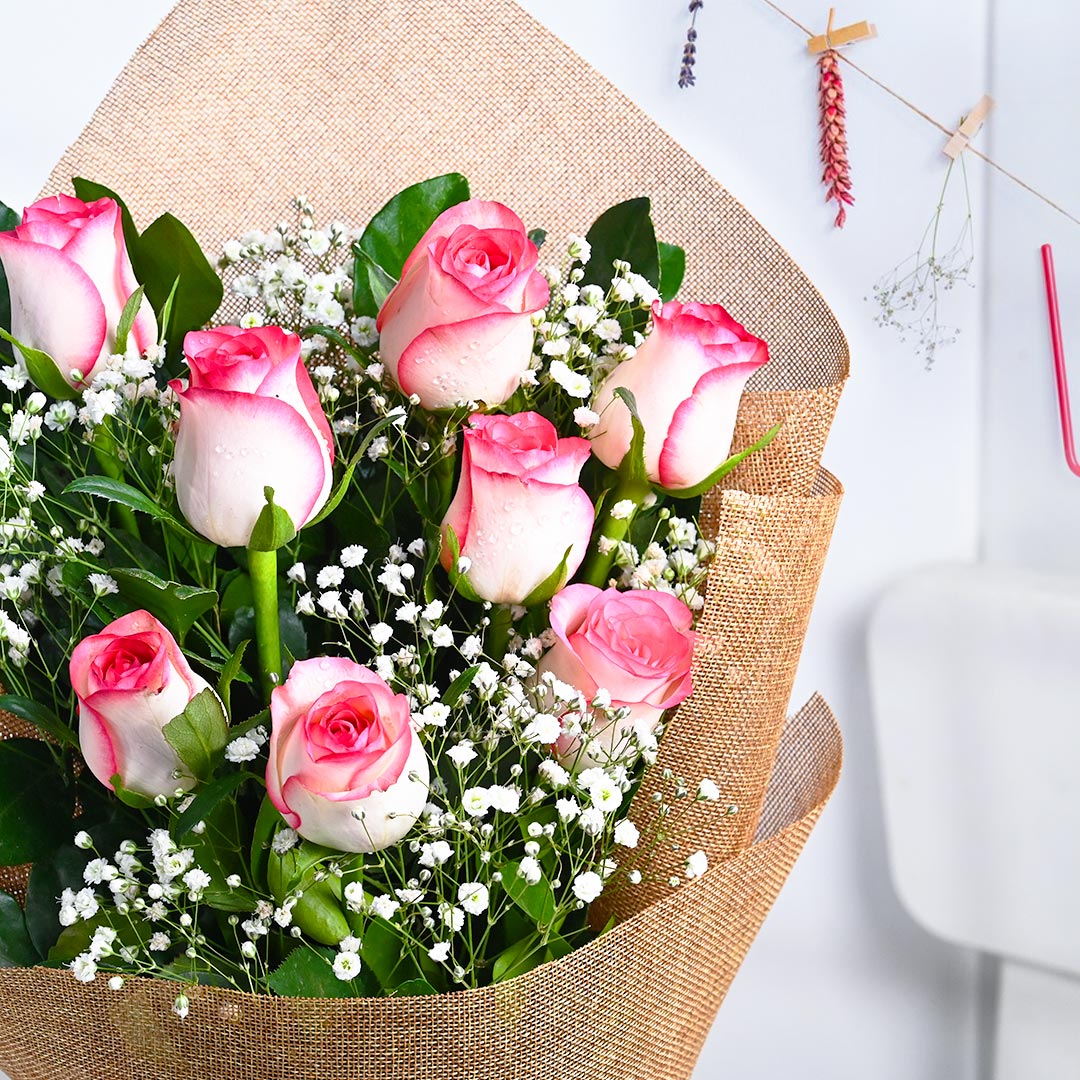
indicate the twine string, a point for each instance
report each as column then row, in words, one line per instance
column 930, row 119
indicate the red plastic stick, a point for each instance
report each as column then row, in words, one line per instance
column 1060, row 374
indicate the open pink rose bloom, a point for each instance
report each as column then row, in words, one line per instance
column 346, row 768
column 458, row 325
column 131, row 680
column 636, row 645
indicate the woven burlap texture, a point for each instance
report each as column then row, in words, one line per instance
column 227, row 111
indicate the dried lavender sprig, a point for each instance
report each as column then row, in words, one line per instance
column 689, row 56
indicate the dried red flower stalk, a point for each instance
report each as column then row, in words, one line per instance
column 837, row 175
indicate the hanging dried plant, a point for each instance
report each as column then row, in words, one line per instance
column 837, row 174
column 689, row 54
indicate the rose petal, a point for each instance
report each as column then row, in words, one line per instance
column 477, row 212
column 231, row 446
column 42, row 283
column 479, row 359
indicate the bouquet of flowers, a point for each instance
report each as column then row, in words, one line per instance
column 349, row 631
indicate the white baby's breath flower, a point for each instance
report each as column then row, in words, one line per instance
column 573, row 382
column 285, row 840
column 305, row 605
column 473, row 897
column 591, row 821
column 567, row 809
column 584, row 417
column 529, row 869
column 384, row 906
column 84, row 968
column 506, row 799
column 158, row 942
column 439, row 952
column 626, row 834
column 554, row 773
column 708, row 791
column 697, row 864
column 587, row 886
column 623, row 509
column 443, row 637
column 381, row 633
column 543, row 728
column 353, row 555
column 461, row 753
column 103, row 584
column 347, row 965
column 435, row 854
column 329, row 577
column 242, row 749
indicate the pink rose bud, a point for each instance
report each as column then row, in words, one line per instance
column 69, row 277
column 637, row 646
column 687, row 378
column 518, row 508
column 131, row 680
column 346, row 769
column 457, row 326
column 249, row 419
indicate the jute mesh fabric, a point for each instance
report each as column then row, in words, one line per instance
column 635, row 1004
column 228, row 110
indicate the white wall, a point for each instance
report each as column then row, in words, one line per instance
column 841, row 985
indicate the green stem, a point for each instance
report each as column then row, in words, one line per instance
column 105, row 451
column 498, row 635
column 262, row 566
column 596, row 569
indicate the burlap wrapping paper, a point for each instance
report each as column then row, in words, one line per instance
column 228, row 110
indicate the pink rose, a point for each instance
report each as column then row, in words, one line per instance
column 346, row 769
column 637, row 646
column 457, row 326
column 518, row 508
column 687, row 378
column 69, row 277
column 249, row 419
column 131, row 680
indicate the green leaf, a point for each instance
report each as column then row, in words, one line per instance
column 199, row 733
column 537, row 236
column 522, row 956
column 164, row 315
column 414, row 988
column 732, row 462
column 459, row 686
column 35, row 811
column 273, row 528
column 42, row 718
column 104, row 487
column 207, row 800
column 458, row 580
column 537, row 901
column 16, row 948
column 266, row 824
column 399, row 226
column 309, row 973
column 129, row 798
column 42, row 369
column 632, row 466
column 127, row 320
column 672, row 270
column 371, row 283
column 346, row 478
column 167, row 252
column 551, row 584
column 383, row 953
column 229, row 674
column 177, row 606
column 623, row 232
column 89, row 191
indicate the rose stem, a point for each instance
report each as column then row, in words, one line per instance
column 596, row 569
column 498, row 636
column 262, row 566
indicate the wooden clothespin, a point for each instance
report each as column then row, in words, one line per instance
column 969, row 128
column 846, row 35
